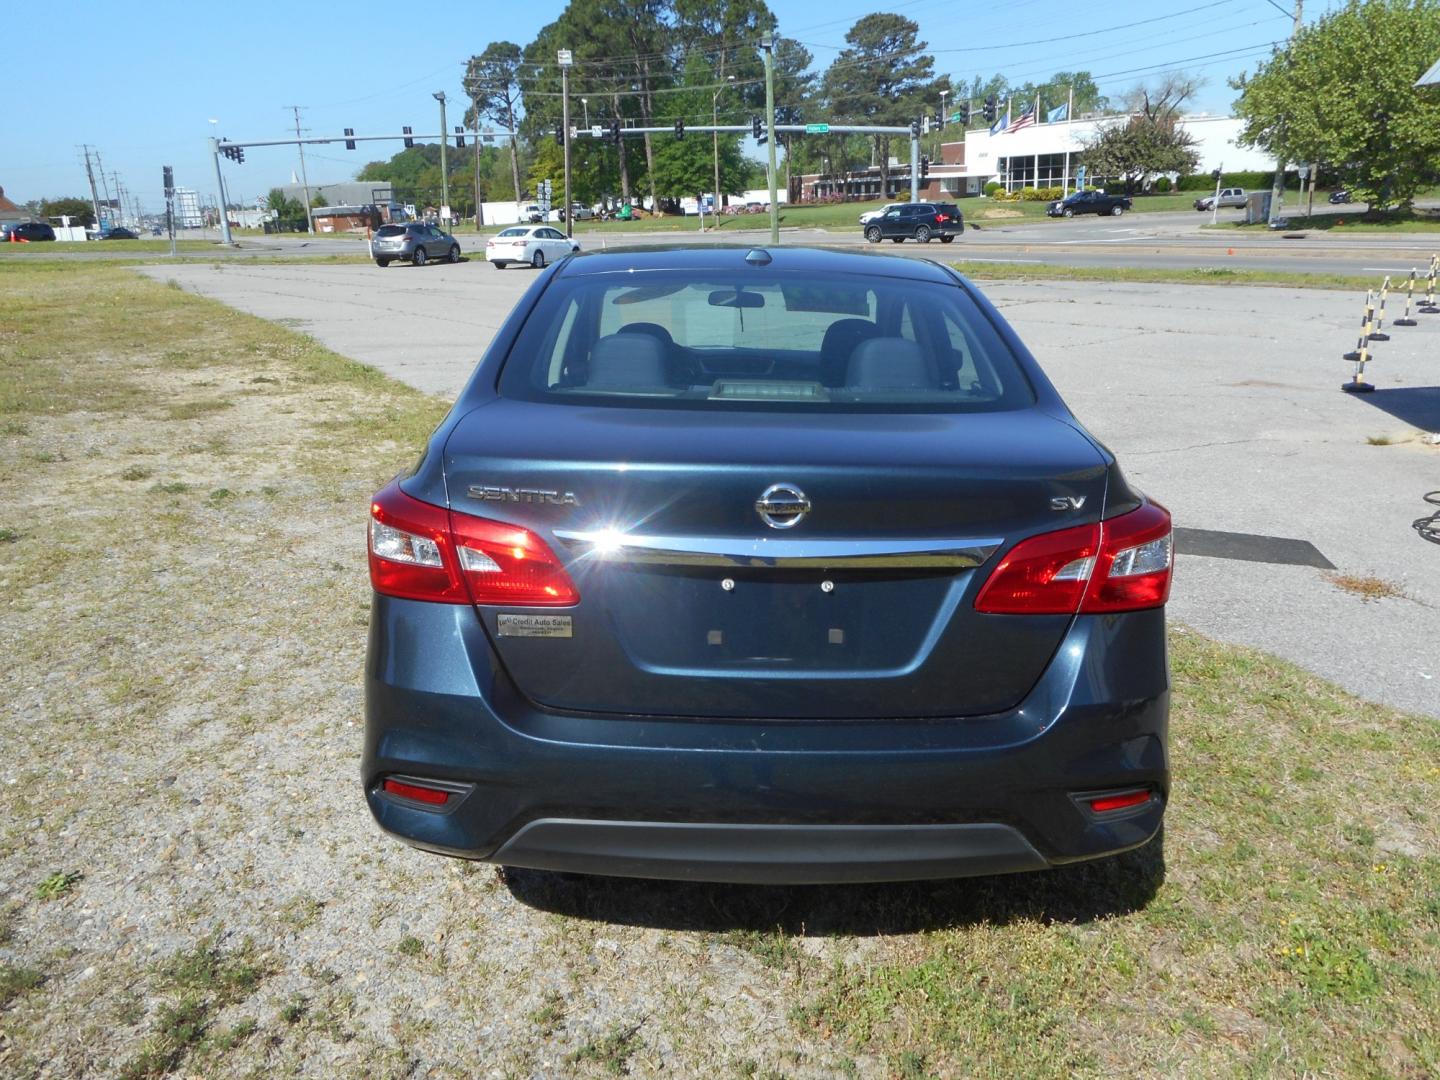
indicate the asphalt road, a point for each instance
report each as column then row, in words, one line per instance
column 1221, row 402
column 1160, row 240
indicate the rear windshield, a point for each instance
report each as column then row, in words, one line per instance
column 515, row 232
column 391, row 230
column 761, row 339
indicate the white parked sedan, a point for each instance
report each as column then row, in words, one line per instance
column 533, row 244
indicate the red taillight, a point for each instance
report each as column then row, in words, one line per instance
column 433, row 796
column 1119, row 802
column 942, row 217
column 424, row 552
column 1118, row 565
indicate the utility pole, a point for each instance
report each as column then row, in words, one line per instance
column 439, row 96
column 220, row 183
column 104, row 184
column 566, row 58
column 715, row 148
column 479, row 206
column 304, row 179
column 1277, row 189
column 767, row 42
column 94, row 195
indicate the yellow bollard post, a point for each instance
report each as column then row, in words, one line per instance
column 1428, row 307
column 1406, row 320
column 1357, row 384
column 1375, row 332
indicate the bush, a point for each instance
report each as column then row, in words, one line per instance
column 1250, row 181
column 993, row 187
column 1044, row 194
column 1162, row 186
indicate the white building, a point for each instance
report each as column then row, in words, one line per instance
column 1047, row 155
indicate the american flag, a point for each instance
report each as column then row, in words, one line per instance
column 1025, row 119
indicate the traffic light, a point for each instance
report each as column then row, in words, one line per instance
column 459, row 137
column 349, row 142
column 1215, row 175
column 755, row 127
column 924, row 168
column 409, row 142
column 963, row 112
column 169, row 181
column 239, row 155
column 615, row 130
column 559, row 136
column 914, row 129
column 679, row 129
column 991, row 111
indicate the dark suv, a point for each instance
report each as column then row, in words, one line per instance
column 918, row 220
column 25, row 231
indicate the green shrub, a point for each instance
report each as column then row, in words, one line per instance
column 1162, row 186
column 1250, row 181
column 994, row 187
column 1044, row 194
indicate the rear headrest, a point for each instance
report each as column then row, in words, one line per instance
column 839, row 341
column 655, row 330
column 629, row 360
column 889, row 363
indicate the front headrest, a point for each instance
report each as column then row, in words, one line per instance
column 655, row 330
column 889, row 363
column 628, row 360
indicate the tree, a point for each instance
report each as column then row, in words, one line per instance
column 492, row 80
column 318, row 199
column 77, row 209
column 289, row 213
column 1160, row 101
column 1060, row 88
column 884, row 77
column 1343, row 94
column 1139, row 146
column 685, row 167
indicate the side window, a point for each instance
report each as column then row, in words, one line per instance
column 907, row 324
column 560, row 345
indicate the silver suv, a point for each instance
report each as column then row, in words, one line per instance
column 415, row 242
column 1230, row 196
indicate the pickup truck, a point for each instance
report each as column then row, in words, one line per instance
column 1089, row 202
column 1230, row 196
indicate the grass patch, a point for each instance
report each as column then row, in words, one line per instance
column 611, row 1051
column 206, row 969
column 193, row 410
column 410, row 945
column 15, row 981
column 1366, row 587
column 1200, row 275
column 58, row 884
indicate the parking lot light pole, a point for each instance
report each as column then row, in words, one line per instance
column 439, row 96
column 768, row 44
column 566, row 58
column 715, row 147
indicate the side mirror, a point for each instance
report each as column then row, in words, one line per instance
column 574, row 247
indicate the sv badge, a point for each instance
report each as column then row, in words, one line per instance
column 1067, row 502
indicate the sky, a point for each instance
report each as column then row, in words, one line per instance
column 144, row 88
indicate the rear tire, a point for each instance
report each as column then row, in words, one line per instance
column 947, row 239
column 419, row 258
column 1116, row 210
column 538, row 260
column 454, row 253
column 873, row 234
column 922, row 234
column 499, row 265
column 382, row 262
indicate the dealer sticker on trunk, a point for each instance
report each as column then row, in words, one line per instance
column 534, row 625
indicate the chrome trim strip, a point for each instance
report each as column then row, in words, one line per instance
column 765, row 552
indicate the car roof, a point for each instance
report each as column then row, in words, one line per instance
column 732, row 257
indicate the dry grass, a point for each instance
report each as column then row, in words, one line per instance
column 1366, row 587
column 180, row 709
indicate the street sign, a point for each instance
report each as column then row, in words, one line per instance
column 817, row 129
column 597, row 131
column 565, row 57
column 954, row 118
column 1304, row 172
column 1080, row 178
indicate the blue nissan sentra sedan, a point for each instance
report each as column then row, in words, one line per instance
column 765, row 565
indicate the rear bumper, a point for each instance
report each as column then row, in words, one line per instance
column 757, row 801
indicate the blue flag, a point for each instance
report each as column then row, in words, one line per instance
column 999, row 125
column 1060, row 112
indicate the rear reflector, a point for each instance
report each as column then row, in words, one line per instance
column 1118, row 802
column 1123, row 564
column 433, row 796
column 423, row 552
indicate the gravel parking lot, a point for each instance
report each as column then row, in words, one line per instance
column 1223, row 402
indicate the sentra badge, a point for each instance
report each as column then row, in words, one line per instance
column 523, row 495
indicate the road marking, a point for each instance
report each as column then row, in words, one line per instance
column 1111, row 240
column 1388, row 269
